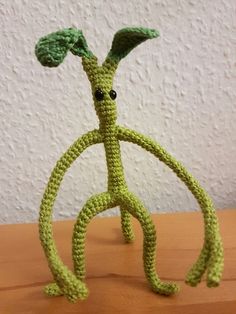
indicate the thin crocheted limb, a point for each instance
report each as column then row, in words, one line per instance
column 126, row 225
column 66, row 281
column 53, row 290
column 211, row 257
column 137, row 209
column 95, row 205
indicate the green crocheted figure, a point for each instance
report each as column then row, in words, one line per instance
column 51, row 51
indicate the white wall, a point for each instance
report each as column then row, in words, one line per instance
column 180, row 89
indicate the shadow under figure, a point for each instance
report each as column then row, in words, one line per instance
column 51, row 51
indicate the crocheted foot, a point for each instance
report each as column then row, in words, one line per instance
column 213, row 261
column 75, row 290
column 213, row 280
column 126, row 225
column 198, row 269
column 165, row 288
column 194, row 276
column 129, row 238
column 52, row 290
column 128, row 234
column 215, row 265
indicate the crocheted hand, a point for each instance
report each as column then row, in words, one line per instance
column 51, row 51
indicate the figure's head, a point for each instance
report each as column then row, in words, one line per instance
column 52, row 49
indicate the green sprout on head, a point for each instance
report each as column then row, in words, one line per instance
column 51, row 51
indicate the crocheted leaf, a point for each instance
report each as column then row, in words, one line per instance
column 127, row 39
column 52, row 49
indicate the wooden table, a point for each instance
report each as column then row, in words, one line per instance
column 115, row 275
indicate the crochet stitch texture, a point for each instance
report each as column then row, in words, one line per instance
column 51, row 51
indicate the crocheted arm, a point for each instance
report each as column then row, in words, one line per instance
column 211, row 256
column 62, row 276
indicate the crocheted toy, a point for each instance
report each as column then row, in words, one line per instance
column 51, row 51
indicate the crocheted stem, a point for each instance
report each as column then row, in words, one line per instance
column 65, row 280
column 116, row 178
column 211, row 256
column 95, row 205
column 126, row 225
column 137, row 209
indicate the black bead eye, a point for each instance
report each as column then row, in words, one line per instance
column 112, row 94
column 99, row 94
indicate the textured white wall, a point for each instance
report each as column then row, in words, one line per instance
column 180, row 89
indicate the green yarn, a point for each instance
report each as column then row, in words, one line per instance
column 127, row 39
column 69, row 285
column 211, row 257
column 51, row 51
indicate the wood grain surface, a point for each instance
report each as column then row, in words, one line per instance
column 115, row 274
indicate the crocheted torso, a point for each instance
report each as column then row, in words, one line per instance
column 116, row 178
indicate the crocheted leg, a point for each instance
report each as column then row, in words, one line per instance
column 95, row 205
column 66, row 282
column 137, row 209
column 126, row 225
column 211, row 256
